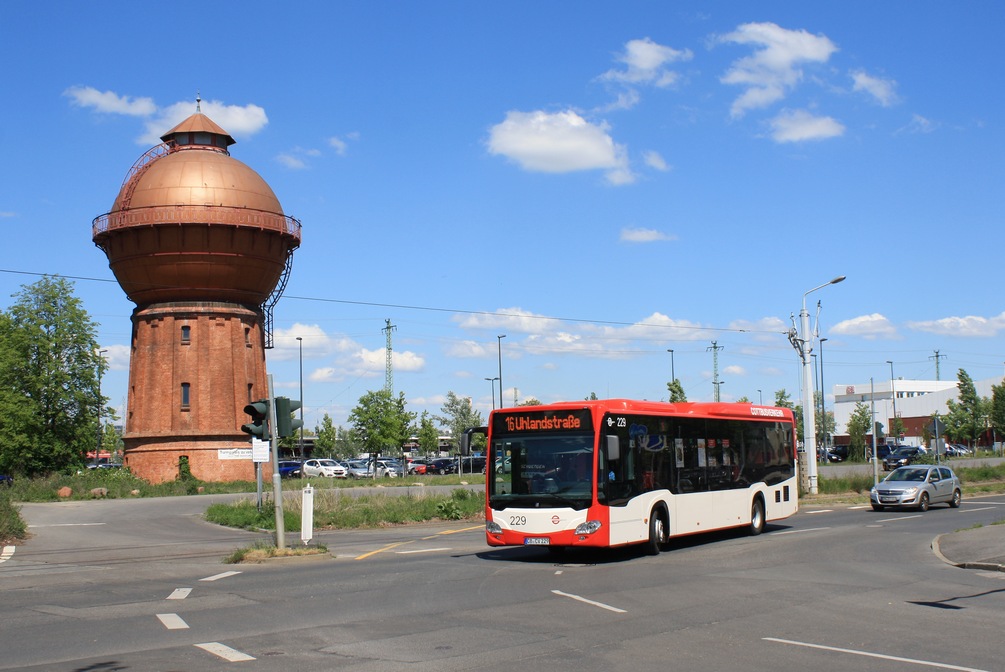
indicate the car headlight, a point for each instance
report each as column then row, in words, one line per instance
column 492, row 527
column 911, row 490
column 589, row 527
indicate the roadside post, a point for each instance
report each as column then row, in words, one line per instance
column 307, row 515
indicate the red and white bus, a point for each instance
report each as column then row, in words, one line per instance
column 616, row 472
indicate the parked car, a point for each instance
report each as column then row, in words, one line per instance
column 289, row 469
column 882, row 450
column 6, row 480
column 417, row 466
column 324, row 467
column 917, row 486
column 442, row 465
column 837, row 454
column 472, row 465
column 901, row 457
column 388, row 468
column 957, row 450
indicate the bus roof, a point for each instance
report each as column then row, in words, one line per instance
column 708, row 409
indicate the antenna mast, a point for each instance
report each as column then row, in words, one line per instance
column 388, row 369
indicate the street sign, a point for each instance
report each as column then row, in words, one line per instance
column 937, row 427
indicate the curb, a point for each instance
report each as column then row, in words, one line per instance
column 984, row 566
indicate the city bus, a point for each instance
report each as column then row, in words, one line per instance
column 616, row 472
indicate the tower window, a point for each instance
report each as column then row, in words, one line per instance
column 186, row 392
column 186, row 334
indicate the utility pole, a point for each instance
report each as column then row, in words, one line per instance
column 388, row 368
column 937, row 357
column 715, row 348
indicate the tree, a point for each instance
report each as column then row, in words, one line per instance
column 967, row 417
column 458, row 416
column 429, row 438
column 676, row 390
column 782, row 399
column 324, row 444
column 996, row 412
column 531, row 401
column 593, row 397
column 381, row 421
column 50, row 372
column 859, row 425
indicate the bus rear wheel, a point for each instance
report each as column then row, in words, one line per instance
column 657, row 533
column 757, row 517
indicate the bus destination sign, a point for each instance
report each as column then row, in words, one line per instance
column 542, row 421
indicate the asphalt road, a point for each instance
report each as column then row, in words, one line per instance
column 139, row 585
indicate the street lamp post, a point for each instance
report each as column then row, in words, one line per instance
column 499, row 344
column 300, row 342
column 760, row 398
column 717, row 384
column 893, row 396
column 804, row 346
column 673, row 376
column 101, row 408
column 823, row 398
column 492, row 382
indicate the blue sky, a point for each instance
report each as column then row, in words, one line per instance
column 599, row 182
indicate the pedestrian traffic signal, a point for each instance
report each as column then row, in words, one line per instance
column 286, row 424
column 259, row 412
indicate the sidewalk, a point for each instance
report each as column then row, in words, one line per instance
column 979, row 548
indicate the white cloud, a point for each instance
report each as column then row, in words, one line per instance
column 735, row 370
column 338, row 144
column 238, row 121
column 110, row 102
column 800, row 126
column 639, row 235
column 772, row 70
column 869, row 327
column 509, row 319
column 918, row 124
column 969, row 326
column 559, row 142
column 645, row 61
column 291, row 162
column 880, row 89
column 655, row 160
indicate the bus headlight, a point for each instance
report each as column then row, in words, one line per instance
column 589, row 527
column 492, row 527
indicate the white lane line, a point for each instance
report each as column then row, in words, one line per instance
column 894, row 520
column 425, row 550
column 225, row 652
column 868, row 654
column 856, row 508
column 591, row 602
column 172, row 621
column 8, row 552
column 179, row 594
column 217, row 577
column 820, row 511
column 986, row 508
column 808, row 529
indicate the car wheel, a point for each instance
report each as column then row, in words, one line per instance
column 442, row 471
column 877, row 507
column 923, row 502
column 955, row 501
column 657, row 533
column 756, row 517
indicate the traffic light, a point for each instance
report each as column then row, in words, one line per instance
column 286, row 424
column 259, row 412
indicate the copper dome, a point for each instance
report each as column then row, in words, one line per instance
column 192, row 223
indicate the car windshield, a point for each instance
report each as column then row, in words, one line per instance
column 328, row 463
column 901, row 452
column 908, row 474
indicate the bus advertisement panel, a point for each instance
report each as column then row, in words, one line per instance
column 616, row 472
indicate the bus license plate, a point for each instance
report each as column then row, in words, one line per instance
column 537, row 541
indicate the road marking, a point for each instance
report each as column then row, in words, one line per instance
column 856, row 508
column 179, row 594
column 894, row 520
column 867, row 654
column 986, row 508
column 173, row 621
column 381, row 550
column 590, row 602
column 425, row 550
column 225, row 652
column 8, row 552
column 217, row 577
column 809, row 529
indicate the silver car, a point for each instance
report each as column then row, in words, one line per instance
column 323, row 467
column 917, row 486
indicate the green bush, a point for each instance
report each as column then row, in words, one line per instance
column 12, row 525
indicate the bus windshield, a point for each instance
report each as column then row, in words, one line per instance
column 541, row 470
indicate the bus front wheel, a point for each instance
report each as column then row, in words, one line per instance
column 757, row 517
column 657, row 533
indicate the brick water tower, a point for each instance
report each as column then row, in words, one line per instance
column 199, row 242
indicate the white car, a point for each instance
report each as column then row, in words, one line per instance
column 324, row 467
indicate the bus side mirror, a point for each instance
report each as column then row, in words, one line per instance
column 465, row 438
column 613, row 448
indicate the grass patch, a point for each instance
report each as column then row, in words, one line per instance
column 333, row 509
column 119, row 484
column 260, row 552
column 12, row 525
